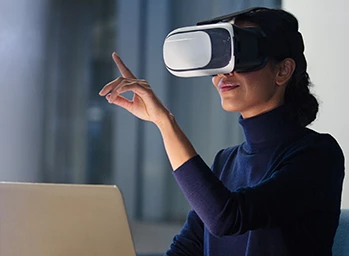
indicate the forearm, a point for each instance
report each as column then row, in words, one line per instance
column 178, row 147
column 206, row 194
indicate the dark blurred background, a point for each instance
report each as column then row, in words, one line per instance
column 56, row 56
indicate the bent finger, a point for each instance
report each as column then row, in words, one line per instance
column 119, row 89
column 133, row 85
column 120, row 101
column 110, row 86
column 136, row 86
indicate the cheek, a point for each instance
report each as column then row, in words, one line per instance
column 213, row 80
column 261, row 91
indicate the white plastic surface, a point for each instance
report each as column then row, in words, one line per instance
column 188, row 50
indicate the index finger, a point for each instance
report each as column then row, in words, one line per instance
column 125, row 72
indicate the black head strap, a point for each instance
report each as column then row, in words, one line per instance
column 229, row 17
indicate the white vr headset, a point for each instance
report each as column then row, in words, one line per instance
column 221, row 48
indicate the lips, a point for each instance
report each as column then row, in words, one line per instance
column 227, row 86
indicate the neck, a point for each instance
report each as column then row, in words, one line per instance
column 269, row 127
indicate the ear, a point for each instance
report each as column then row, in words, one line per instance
column 285, row 71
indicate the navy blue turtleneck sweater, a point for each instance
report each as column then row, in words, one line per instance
column 278, row 193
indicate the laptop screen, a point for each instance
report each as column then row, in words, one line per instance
column 56, row 219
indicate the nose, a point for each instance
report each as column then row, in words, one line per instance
column 226, row 74
column 221, row 76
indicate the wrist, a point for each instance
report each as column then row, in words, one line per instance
column 177, row 145
column 167, row 121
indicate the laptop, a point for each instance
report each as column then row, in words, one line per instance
column 57, row 219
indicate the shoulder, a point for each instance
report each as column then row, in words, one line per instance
column 315, row 149
column 225, row 153
column 222, row 157
column 316, row 141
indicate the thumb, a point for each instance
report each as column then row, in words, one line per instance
column 120, row 101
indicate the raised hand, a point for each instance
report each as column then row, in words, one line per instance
column 145, row 104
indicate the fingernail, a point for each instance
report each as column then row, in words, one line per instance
column 108, row 98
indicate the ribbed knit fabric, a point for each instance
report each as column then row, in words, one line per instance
column 278, row 193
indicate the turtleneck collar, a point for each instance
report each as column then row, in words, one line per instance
column 266, row 129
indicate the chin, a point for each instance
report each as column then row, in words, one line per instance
column 230, row 108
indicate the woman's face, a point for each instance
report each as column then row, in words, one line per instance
column 250, row 93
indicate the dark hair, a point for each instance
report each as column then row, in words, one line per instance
column 281, row 29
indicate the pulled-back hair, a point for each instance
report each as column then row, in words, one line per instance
column 281, row 28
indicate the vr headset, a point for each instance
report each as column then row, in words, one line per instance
column 210, row 49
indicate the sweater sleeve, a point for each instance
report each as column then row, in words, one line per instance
column 308, row 179
column 189, row 242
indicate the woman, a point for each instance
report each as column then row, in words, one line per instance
column 279, row 192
